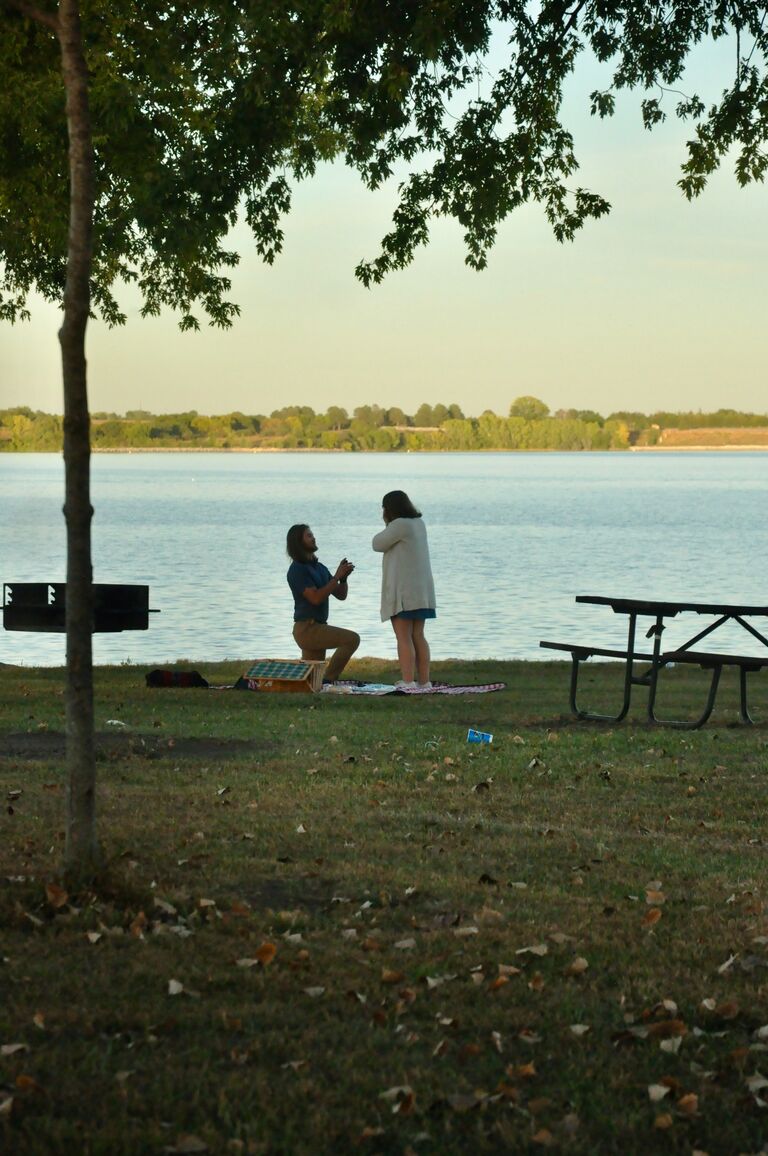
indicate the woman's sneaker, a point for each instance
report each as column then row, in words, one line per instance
column 405, row 685
column 425, row 686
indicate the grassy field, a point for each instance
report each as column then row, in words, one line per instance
column 330, row 925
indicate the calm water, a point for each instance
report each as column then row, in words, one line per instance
column 513, row 539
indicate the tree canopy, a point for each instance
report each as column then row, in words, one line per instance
column 208, row 110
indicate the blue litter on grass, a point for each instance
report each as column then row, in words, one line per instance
column 474, row 736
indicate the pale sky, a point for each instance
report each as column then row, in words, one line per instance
column 660, row 305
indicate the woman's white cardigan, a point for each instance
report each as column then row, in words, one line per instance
column 406, row 577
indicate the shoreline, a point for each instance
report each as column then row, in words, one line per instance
column 729, row 448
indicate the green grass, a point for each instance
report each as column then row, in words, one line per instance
column 398, row 869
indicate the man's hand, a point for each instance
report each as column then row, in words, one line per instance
column 343, row 570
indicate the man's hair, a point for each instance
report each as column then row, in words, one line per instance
column 294, row 543
column 397, row 504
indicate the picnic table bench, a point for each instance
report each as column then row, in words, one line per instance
column 659, row 658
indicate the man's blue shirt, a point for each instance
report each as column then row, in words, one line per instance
column 300, row 576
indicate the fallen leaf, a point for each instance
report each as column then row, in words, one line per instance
column 580, row 1030
column 657, row 1092
column 756, row 1082
column 174, row 987
column 536, row 982
column 569, row 1125
column 666, row 1029
column 688, row 1104
column 188, row 1144
column 369, row 1133
column 405, row 944
column 389, row 976
column 535, row 949
column 395, row 1093
column 266, row 953
column 12, row 1049
column 651, row 917
column 28, row 1084
column 543, row 1137
column 577, row 967
column 464, row 1101
column 56, row 895
column 671, row 1046
column 728, row 1010
column 314, row 992
column 663, row 1122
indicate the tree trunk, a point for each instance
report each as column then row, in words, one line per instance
column 81, row 845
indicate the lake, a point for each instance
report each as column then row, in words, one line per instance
column 513, row 538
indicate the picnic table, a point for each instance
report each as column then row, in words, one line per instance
column 656, row 658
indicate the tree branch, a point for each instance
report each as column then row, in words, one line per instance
column 32, row 12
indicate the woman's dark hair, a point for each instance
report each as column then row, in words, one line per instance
column 294, row 542
column 397, row 504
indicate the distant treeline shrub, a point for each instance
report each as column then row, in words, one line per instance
column 529, row 426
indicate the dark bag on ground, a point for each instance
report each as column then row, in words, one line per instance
column 175, row 678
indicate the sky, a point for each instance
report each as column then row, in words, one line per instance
column 661, row 305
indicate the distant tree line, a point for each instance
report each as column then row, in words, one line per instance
column 528, row 426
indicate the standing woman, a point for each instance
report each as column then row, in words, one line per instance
column 407, row 588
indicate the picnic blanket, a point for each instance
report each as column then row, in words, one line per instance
column 253, row 680
column 383, row 688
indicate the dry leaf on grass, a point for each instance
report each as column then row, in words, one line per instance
column 756, row 1082
column 56, row 896
column 688, row 1104
column 727, row 1010
column 666, row 1029
column 577, row 967
column 175, row 987
column 187, row 1145
column 657, row 1092
column 663, row 1122
column 534, row 949
column 266, row 953
column 314, row 992
column 651, row 917
column 12, row 1049
column 580, row 1030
